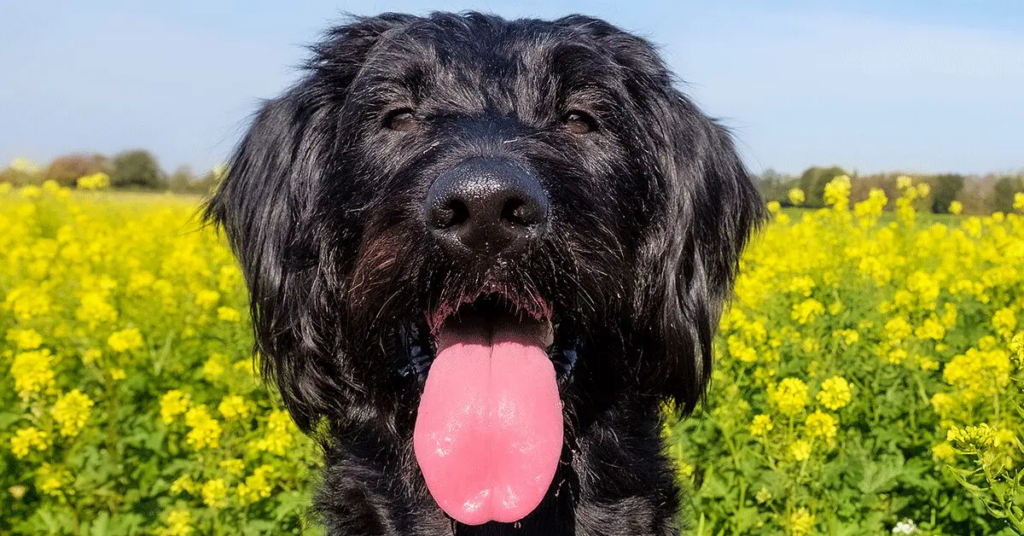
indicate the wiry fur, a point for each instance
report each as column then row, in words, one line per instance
column 323, row 207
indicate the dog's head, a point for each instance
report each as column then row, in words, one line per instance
column 449, row 181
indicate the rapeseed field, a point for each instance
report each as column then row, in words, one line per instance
column 868, row 380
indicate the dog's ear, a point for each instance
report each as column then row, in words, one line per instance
column 711, row 209
column 265, row 205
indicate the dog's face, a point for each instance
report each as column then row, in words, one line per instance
column 439, row 189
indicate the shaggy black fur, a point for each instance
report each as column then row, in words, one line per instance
column 650, row 208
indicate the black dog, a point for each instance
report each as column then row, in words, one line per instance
column 481, row 254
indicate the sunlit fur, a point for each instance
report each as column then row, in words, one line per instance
column 323, row 206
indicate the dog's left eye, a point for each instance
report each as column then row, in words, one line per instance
column 579, row 122
column 402, row 120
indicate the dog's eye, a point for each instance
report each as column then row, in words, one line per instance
column 579, row 122
column 402, row 120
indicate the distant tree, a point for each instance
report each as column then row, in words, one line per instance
column 1003, row 191
column 813, row 182
column 182, row 180
column 67, row 169
column 945, row 189
column 21, row 171
column 773, row 185
column 211, row 179
column 136, row 169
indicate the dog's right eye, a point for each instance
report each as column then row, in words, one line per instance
column 579, row 122
column 401, row 120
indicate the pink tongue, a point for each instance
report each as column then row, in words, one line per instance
column 489, row 430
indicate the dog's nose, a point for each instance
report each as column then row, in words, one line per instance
column 487, row 205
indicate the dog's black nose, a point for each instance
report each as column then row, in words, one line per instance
column 486, row 205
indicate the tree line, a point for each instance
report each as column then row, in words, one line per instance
column 138, row 169
column 135, row 169
column 979, row 194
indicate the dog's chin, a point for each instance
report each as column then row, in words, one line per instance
column 489, row 427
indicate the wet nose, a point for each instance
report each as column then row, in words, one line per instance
column 487, row 205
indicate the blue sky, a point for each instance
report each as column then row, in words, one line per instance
column 872, row 85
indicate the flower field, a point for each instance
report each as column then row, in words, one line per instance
column 128, row 400
column 868, row 380
column 869, row 377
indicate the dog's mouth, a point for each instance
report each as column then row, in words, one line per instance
column 419, row 341
column 489, row 427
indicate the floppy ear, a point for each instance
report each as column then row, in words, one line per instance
column 712, row 208
column 265, row 205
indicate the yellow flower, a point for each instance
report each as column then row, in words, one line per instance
column 95, row 181
column 179, row 523
column 837, row 192
column 849, row 336
column 229, row 278
column 228, row 314
column 761, row 425
column 1005, row 321
column 183, row 484
column 764, row 495
column 972, row 437
column 956, row 207
column 118, row 374
column 1017, row 347
column 205, row 430
column 234, row 466
column 1004, row 438
column 279, row 434
column 789, row 396
column 800, row 450
column 233, row 406
column 931, row 329
column 214, row 367
column 91, row 356
column 942, row 403
column 94, row 310
column 206, row 299
column 943, row 452
column 797, row 197
column 821, row 426
column 1018, row 201
column 774, row 207
column 978, row 374
column 52, row 480
column 172, row 404
column 903, row 182
column 25, row 339
column 801, row 521
column 71, row 411
column 987, row 343
column 215, row 493
column 25, row 439
column 807, row 310
column 256, row 486
column 28, row 302
column 898, row 329
column 125, row 340
column 33, row 372
column 896, row 356
column 835, row 393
